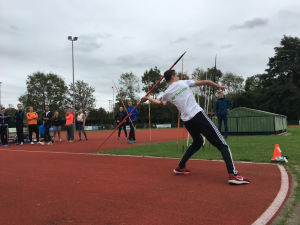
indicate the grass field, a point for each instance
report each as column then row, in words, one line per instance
column 258, row 148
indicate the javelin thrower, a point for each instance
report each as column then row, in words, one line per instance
column 196, row 122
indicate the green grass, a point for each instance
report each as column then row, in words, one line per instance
column 258, row 148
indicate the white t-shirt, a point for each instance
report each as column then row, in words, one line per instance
column 180, row 94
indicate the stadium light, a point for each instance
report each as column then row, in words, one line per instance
column 74, row 39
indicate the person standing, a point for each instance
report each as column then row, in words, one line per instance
column 19, row 124
column 69, row 126
column 81, row 124
column 4, row 123
column 56, row 126
column 133, row 120
column 196, row 122
column 120, row 116
column 47, row 122
column 221, row 112
column 32, row 125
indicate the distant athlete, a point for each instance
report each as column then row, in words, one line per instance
column 120, row 116
column 196, row 122
column 19, row 124
column 133, row 120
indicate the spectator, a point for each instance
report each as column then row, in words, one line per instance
column 47, row 122
column 120, row 116
column 56, row 125
column 221, row 112
column 69, row 126
column 81, row 124
column 133, row 120
column 19, row 124
column 32, row 125
column 4, row 122
column 42, row 131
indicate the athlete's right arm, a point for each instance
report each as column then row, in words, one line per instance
column 209, row 83
column 156, row 102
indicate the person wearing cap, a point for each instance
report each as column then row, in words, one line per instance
column 4, row 122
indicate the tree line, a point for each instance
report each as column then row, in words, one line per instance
column 277, row 90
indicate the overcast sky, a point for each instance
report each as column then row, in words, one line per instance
column 121, row 36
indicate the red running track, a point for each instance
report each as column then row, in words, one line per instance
column 42, row 187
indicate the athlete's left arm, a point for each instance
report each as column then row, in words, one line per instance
column 209, row 83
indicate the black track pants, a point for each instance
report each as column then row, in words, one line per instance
column 124, row 128
column 131, row 133
column 202, row 124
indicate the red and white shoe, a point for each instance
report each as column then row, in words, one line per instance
column 238, row 179
column 179, row 171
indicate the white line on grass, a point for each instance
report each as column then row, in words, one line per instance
column 278, row 201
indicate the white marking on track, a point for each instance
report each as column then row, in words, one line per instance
column 278, row 201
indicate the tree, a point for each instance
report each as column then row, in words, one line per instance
column 200, row 74
column 153, row 75
column 44, row 89
column 84, row 98
column 130, row 87
column 233, row 82
column 282, row 82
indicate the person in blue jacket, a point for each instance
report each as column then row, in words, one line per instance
column 221, row 112
column 133, row 119
column 42, row 131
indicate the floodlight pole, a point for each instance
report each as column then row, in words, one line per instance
column 113, row 102
column 73, row 39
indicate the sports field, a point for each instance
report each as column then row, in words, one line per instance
column 65, row 183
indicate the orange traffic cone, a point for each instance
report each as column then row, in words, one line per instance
column 277, row 152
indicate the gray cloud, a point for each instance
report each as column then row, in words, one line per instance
column 181, row 39
column 250, row 24
column 226, row 46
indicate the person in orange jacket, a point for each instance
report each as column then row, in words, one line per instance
column 32, row 125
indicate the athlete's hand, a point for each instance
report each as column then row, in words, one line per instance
column 144, row 99
column 223, row 88
column 216, row 118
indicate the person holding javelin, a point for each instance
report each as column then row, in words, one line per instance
column 196, row 122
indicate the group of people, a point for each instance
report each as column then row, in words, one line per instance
column 49, row 119
column 121, row 115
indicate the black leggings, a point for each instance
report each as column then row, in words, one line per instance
column 124, row 128
column 4, row 135
column 202, row 124
column 33, row 128
column 19, row 128
column 131, row 133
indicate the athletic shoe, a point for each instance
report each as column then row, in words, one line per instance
column 80, row 139
column 21, row 143
column 31, row 143
column 118, row 138
column 134, row 141
column 86, row 139
column 238, row 179
column 49, row 143
column 126, row 138
column 52, row 139
column 129, row 142
column 7, row 145
column 60, row 140
column 179, row 171
column 71, row 141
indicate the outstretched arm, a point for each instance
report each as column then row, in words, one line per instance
column 156, row 102
column 209, row 83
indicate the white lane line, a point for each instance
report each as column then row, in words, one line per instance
column 278, row 201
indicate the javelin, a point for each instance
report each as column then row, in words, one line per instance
column 186, row 77
column 122, row 101
column 149, row 115
column 179, row 112
column 140, row 101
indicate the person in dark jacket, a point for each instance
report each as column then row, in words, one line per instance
column 19, row 124
column 221, row 112
column 56, row 125
column 47, row 122
column 133, row 120
column 4, row 122
column 120, row 116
